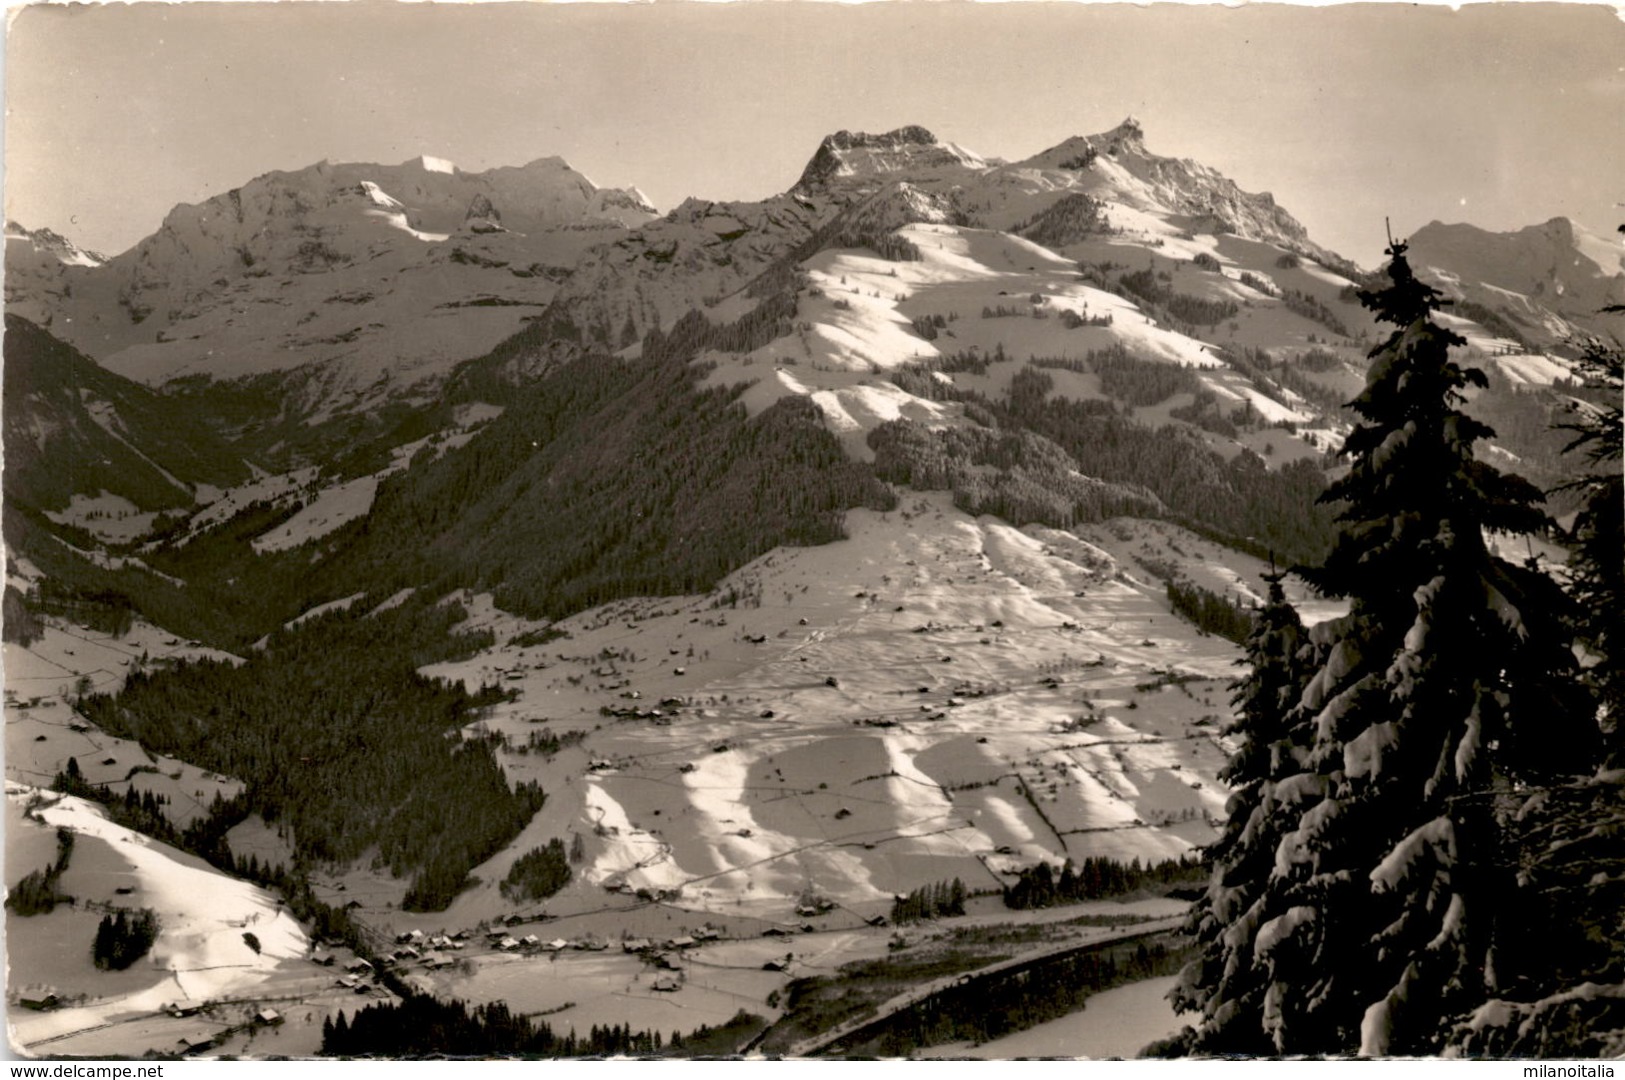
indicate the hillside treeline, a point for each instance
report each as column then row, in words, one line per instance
column 1019, row 476
column 1209, row 612
column 1241, row 501
column 1027, row 467
column 1066, row 221
column 421, row 1026
column 1095, row 878
column 989, row 1008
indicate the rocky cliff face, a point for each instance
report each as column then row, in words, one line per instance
column 857, row 157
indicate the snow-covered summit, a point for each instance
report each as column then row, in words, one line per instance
column 1117, row 165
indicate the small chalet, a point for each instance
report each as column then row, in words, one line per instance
column 195, row 1043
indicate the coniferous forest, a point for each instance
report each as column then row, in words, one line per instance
column 336, row 734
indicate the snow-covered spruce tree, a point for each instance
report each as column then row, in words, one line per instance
column 1597, row 566
column 1223, row 983
column 1449, row 682
column 1565, row 994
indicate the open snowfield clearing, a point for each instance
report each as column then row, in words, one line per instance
column 222, row 505
column 109, row 518
column 580, row 989
column 200, row 953
column 1534, row 369
column 938, row 696
column 1116, row 1023
column 330, row 508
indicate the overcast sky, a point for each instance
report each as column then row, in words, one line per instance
column 1501, row 115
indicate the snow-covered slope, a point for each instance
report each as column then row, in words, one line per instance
column 1547, row 281
column 703, row 252
column 55, row 245
column 200, row 954
column 40, row 267
column 1117, row 165
column 374, row 273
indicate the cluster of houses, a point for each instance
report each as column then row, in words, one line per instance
column 431, row 949
column 358, row 976
column 503, row 941
column 662, row 715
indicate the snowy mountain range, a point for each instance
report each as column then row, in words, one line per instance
column 806, row 552
column 375, row 281
column 364, row 271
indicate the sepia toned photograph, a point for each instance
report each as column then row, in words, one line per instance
column 797, row 530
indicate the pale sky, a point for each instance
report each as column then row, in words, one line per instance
column 1502, row 115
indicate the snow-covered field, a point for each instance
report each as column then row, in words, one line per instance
column 937, row 696
column 1115, row 1023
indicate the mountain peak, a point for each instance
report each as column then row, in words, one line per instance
column 1130, row 130
column 859, row 156
column 53, row 244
